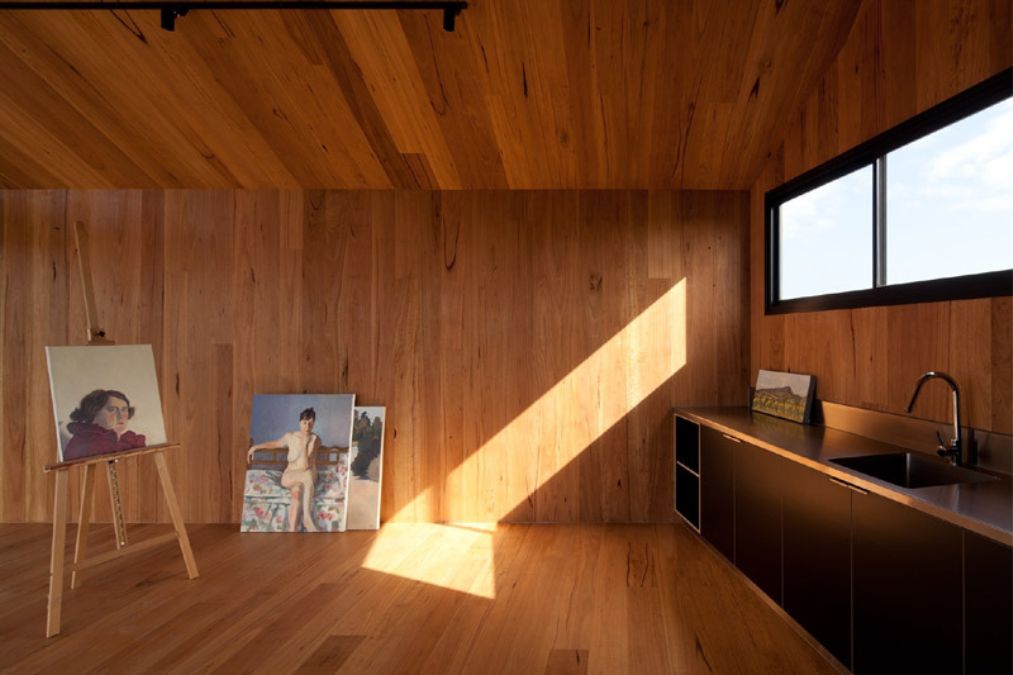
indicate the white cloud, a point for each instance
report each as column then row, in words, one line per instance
column 965, row 168
column 820, row 210
column 971, row 158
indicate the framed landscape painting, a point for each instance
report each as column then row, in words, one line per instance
column 366, row 469
column 787, row 395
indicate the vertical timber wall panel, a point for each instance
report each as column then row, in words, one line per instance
column 513, row 336
column 901, row 58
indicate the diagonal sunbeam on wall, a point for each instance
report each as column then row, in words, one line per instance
column 560, row 425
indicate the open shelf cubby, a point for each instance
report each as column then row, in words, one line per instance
column 687, row 471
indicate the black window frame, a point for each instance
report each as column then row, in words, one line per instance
column 872, row 153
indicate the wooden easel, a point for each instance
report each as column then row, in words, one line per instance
column 96, row 336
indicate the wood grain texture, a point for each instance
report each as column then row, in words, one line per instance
column 57, row 556
column 547, row 94
column 528, row 345
column 412, row 598
column 900, row 58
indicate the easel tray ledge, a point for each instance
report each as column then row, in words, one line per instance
column 109, row 457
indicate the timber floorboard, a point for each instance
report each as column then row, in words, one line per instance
column 409, row 598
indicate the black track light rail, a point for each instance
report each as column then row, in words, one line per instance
column 177, row 8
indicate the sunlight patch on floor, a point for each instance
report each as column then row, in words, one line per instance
column 457, row 557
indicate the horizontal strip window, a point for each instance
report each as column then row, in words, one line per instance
column 921, row 213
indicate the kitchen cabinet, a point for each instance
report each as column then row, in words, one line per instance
column 687, row 471
column 758, row 487
column 717, row 486
column 882, row 585
column 816, row 516
column 988, row 605
column 907, row 579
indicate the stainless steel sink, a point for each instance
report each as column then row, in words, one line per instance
column 911, row 470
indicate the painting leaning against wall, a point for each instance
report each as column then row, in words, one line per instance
column 787, row 395
column 365, row 476
column 297, row 475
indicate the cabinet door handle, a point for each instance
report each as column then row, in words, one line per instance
column 732, row 438
column 849, row 486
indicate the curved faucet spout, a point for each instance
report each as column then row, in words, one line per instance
column 955, row 451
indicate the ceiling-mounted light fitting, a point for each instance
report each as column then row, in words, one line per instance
column 170, row 11
column 450, row 16
column 169, row 15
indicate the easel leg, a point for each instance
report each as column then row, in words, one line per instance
column 177, row 515
column 114, row 498
column 83, row 523
column 56, row 560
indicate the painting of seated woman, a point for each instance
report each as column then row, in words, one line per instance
column 105, row 400
column 297, row 463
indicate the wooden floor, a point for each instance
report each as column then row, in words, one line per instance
column 411, row 598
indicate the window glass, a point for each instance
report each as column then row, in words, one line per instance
column 826, row 238
column 949, row 200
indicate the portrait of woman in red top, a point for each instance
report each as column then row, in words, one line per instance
column 99, row 426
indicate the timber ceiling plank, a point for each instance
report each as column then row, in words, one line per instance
column 378, row 44
column 336, row 55
column 453, row 72
column 293, row 102
column 553, row 94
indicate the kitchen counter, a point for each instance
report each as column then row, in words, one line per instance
column 985, row 507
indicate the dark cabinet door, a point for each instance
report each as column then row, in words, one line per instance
column 907, row 589
column 758, row 487
column 816, row 517
column 988, row 605
column 717, row 490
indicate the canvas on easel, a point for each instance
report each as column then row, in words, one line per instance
column 107, row 408
column 105, row 399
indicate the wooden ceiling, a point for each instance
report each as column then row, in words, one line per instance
column 537, row 94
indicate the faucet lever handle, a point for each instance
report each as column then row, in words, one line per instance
column 942, row 443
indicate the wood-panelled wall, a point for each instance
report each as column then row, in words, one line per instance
column 528, row 345
column 901, row 58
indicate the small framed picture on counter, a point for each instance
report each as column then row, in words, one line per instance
column 786, row 395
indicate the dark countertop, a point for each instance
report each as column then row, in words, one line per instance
column 985, row 507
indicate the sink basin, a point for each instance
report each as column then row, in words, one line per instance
column 911, row 470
